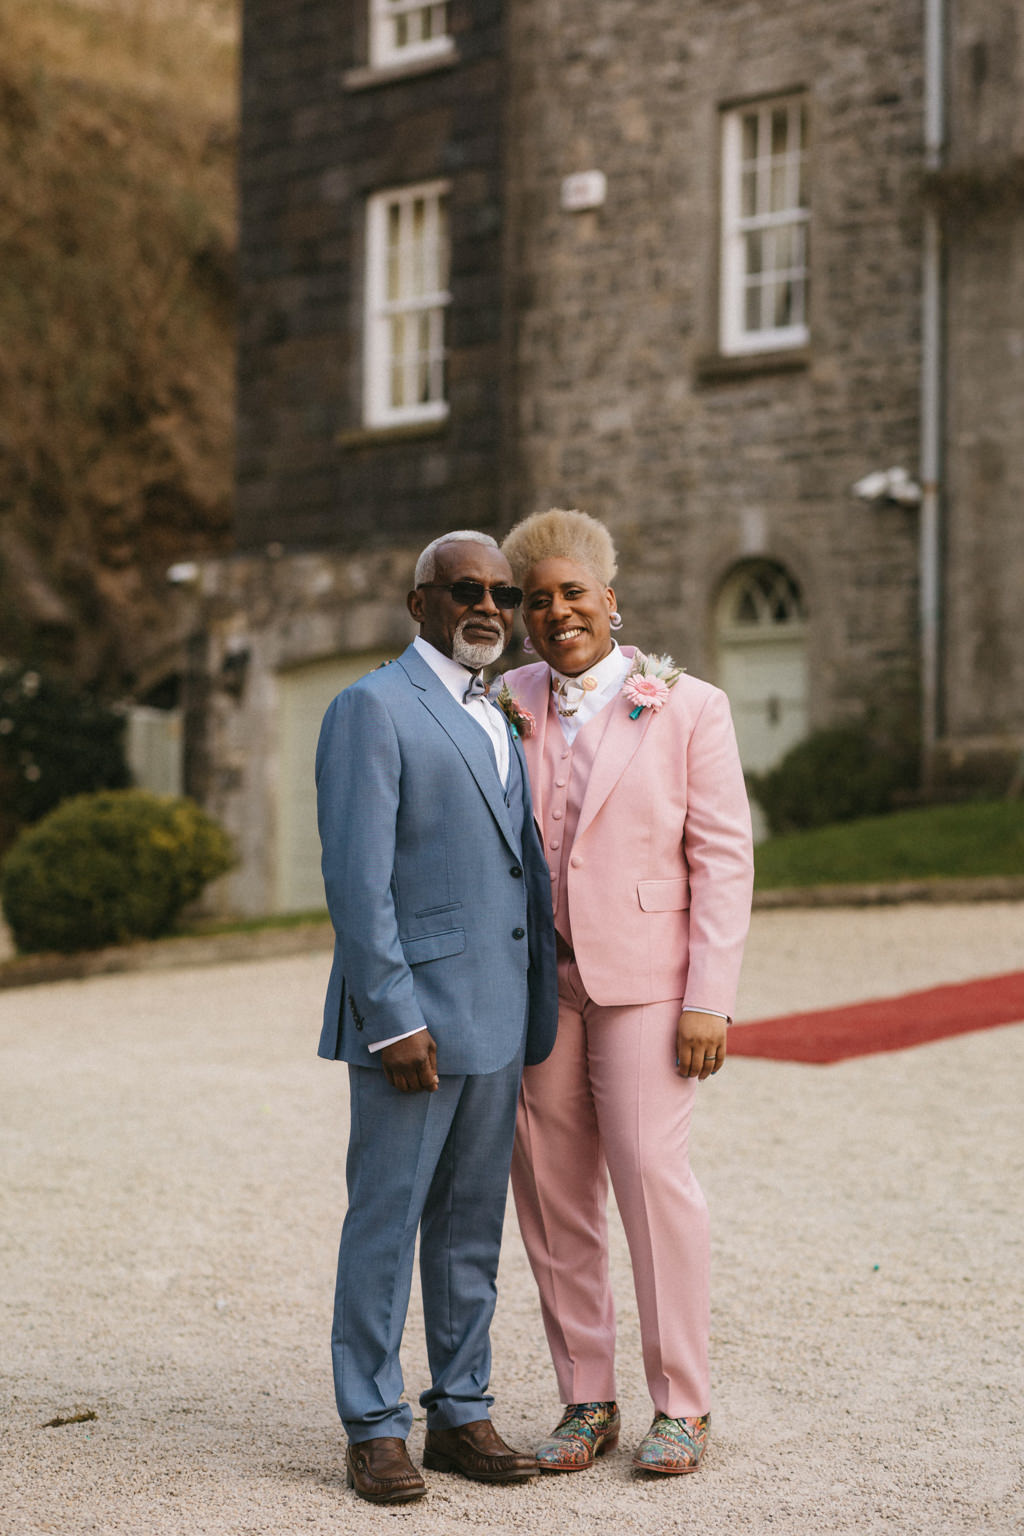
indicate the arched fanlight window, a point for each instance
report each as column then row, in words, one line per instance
column 760, row 595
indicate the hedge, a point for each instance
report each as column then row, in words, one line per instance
column 109, row 867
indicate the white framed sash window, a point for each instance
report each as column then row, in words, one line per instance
column 407, row 271
column 405, row 30
column 765, row 267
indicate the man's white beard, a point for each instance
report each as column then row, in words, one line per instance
column 476, row 655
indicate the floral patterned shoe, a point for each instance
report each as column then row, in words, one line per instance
column 584, row 1432
column 673, row 1445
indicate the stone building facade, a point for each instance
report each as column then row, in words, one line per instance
column 679, row 257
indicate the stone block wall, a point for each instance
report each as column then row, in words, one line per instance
column 252, row 618
column 320, row 132
column 620, row 403
column 981, row 198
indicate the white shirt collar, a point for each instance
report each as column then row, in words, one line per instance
column 611, row 669
column 455, row 678
column 451, row 672
column 608, row 676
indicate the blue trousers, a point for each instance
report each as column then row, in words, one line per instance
column 437, row 1164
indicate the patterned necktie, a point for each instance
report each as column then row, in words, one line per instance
column 477, row 689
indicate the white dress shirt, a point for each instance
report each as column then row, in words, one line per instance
column 455, row 678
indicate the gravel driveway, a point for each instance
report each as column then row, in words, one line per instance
column 173, row 1186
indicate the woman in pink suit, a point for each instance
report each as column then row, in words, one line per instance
column 639, row 794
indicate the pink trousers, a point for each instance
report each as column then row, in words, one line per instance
column 608, row 1101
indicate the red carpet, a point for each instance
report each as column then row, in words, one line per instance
column 884, row 1024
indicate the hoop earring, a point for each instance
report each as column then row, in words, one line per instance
column 615, row 622
column 527, row 643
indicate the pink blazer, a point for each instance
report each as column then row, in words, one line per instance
column 661, row 869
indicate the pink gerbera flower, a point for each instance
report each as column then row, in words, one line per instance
column 645, row 692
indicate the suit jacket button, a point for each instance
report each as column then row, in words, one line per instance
column 519, row 933
column 516, row 872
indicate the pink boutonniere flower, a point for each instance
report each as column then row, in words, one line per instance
column 646, row 692
column 648, row 683
column 519, row 718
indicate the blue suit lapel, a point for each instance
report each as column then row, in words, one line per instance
column 470, row 738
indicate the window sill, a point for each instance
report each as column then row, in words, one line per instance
column 368, row 77
column 719, row 368
column 403, row 432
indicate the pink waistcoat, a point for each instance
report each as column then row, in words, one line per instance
column 566, row 772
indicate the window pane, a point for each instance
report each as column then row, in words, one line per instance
column 780, row 130
column 755, row 252
column 779, row 186
column 800, row 247
column 782, row 304
column 750, row 136
column 437, row 369
column 423, row 358
column 752, row 308
column 396, row 372
column 748, row 194
column 442, row 259
column 784, row 253
column 746, row 607
column 780, row 609
column 416, row 217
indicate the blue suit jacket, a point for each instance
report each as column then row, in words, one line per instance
column 435, row 877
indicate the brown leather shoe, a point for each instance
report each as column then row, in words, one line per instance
column 380, row 1471
column 478, row 1451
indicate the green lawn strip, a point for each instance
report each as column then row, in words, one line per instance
column 935, row 842
column 204, row 927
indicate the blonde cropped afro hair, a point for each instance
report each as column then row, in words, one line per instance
column 561, row 535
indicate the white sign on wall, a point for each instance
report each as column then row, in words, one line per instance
column 587, row 189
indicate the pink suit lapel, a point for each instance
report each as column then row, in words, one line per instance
column 622, row 738
column 619, row 744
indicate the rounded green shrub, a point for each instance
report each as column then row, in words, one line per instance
column 109, row 867
column 837, row 774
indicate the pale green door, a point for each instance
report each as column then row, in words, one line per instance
column 760, row 632
column 303, row 693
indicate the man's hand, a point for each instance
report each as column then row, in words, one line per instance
column 700, row 1044
column 410, row 1065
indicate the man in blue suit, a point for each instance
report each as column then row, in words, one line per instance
column 443, row 983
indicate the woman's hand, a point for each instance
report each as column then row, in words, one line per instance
column 700, row 1044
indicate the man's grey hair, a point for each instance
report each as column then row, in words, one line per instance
column 426, row 565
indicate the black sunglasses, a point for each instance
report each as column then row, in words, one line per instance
column 469, row 593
